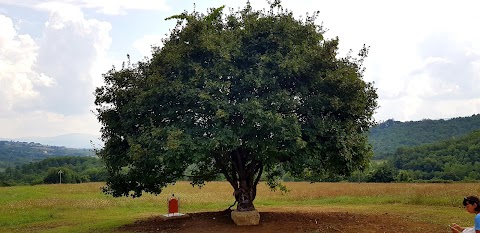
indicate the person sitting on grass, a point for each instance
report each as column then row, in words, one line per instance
column 472, row 205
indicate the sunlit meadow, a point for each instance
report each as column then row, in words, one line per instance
column 84, row 208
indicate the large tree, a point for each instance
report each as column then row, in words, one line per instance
column 243, row 94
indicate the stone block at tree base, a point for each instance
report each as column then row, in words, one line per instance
column 245, row 218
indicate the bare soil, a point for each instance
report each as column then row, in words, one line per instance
column 274, row 222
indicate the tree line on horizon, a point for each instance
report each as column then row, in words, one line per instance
column 455, row 158
column 452, row 160
column 74, row 169
column 444, row 161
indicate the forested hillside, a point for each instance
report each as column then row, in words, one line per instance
column 453, row 159
column 74, row 169
column 18, row 153
column 416, row 150
column 390, row 135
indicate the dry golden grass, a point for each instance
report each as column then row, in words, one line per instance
column 64, row 208
column 308, row 190
column 405, row 193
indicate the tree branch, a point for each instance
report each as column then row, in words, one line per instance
column 260, row 171
column 238, row 163
column 222, row 165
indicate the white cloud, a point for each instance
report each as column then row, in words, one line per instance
column 144, row 44
column 63, row 10
column 47, row 124
column 68, row 53
column 424, row 55
column 17, row 57
column 110, row 7
column 115, row 7
column 48, row 85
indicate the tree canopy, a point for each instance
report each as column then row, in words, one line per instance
column 239, row 94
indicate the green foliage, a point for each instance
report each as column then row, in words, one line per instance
column 241, row 95
column 454, row 159
column 75, row 170
column 67, row 176
column 390, row 135
column 405, row 176
column 383, row 173
column 18, row 153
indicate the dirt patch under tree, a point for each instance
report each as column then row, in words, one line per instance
column 275, row 222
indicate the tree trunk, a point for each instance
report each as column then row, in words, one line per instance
column 244, row 177
column 244, row 196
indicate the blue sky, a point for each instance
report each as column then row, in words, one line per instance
column 424, row 55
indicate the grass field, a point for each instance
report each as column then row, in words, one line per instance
column 84, row 208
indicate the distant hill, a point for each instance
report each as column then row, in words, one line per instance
column 390, row 135
column 74, row 140
column 17, row 153
column 452, row 159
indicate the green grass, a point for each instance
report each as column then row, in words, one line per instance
column 84, row 208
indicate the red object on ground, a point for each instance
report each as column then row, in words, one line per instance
column 173, row 205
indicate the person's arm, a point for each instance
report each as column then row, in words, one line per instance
column 457, row 229
column 477, row 223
